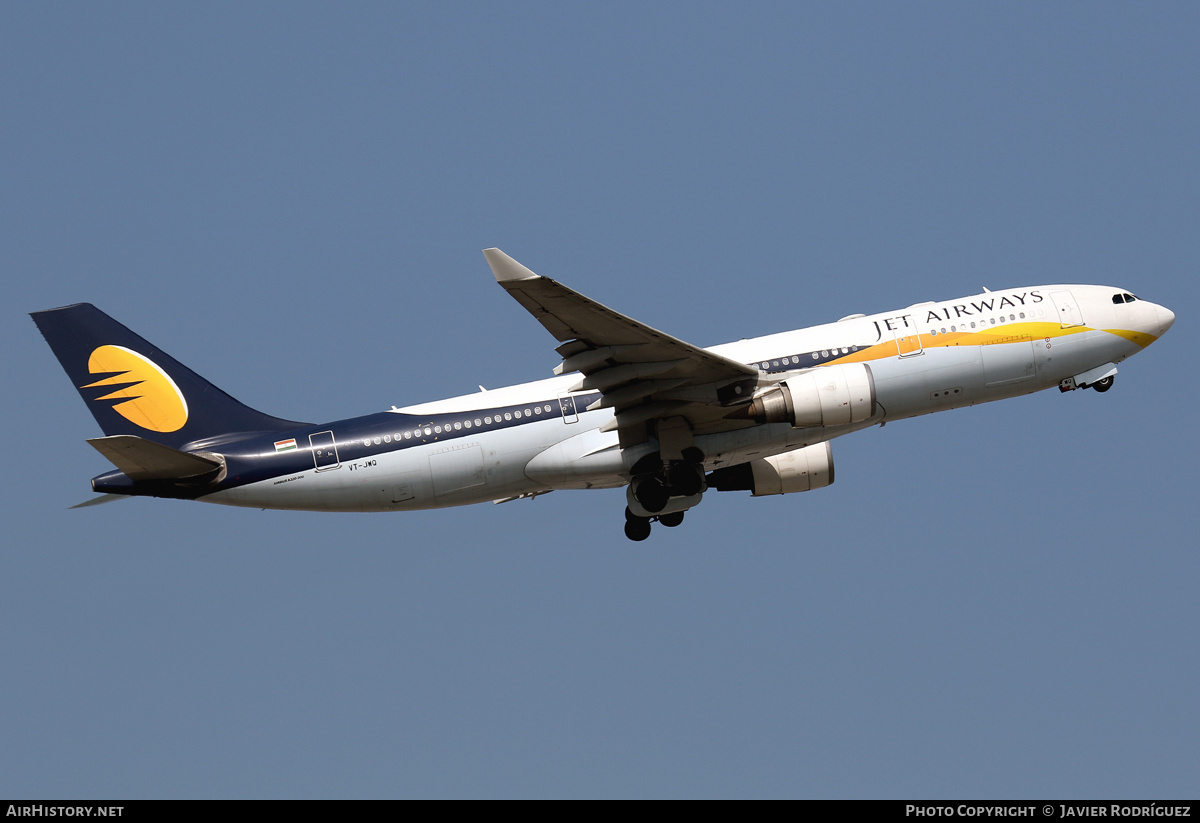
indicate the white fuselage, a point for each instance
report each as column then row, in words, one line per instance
column 926, row 358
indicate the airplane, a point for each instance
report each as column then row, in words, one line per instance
column 629, row 406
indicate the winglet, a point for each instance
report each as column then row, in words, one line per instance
column 505, row 268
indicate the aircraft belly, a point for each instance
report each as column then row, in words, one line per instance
column 305, row 491
column 379, row 483
column 1063, row 357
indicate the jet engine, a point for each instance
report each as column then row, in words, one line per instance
column 799, row 470
column 823, row 396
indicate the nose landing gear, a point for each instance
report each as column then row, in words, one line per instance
column 1100, row 378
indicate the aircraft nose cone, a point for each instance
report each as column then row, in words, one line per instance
column 1166, row 318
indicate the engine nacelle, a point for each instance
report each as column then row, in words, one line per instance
column 823, row 396
column 799, row 470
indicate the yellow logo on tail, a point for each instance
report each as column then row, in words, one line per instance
column 153, row 401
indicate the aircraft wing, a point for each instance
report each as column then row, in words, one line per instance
column 642, row 373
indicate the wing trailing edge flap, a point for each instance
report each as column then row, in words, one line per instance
column 640, row 372
column 143, row 459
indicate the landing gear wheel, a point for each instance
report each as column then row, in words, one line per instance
column 671, row 520
column 1103, row 385
column 686, row 479
column 638, row 529
column 652, row 494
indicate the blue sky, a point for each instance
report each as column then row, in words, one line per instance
column 291, row 198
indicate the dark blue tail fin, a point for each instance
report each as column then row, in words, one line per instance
column 133, row 387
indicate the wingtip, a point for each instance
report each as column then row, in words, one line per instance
column 505, row 269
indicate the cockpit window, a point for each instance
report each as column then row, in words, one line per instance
column 1124, row 297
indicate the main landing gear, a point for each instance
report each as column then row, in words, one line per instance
column 638, row 528
column 654, row 483
column 661, row 491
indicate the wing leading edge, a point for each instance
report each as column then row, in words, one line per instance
column 648, row 377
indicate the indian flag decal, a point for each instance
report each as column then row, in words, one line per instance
column 285, row 445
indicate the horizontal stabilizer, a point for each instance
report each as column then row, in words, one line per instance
column 143, row 459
